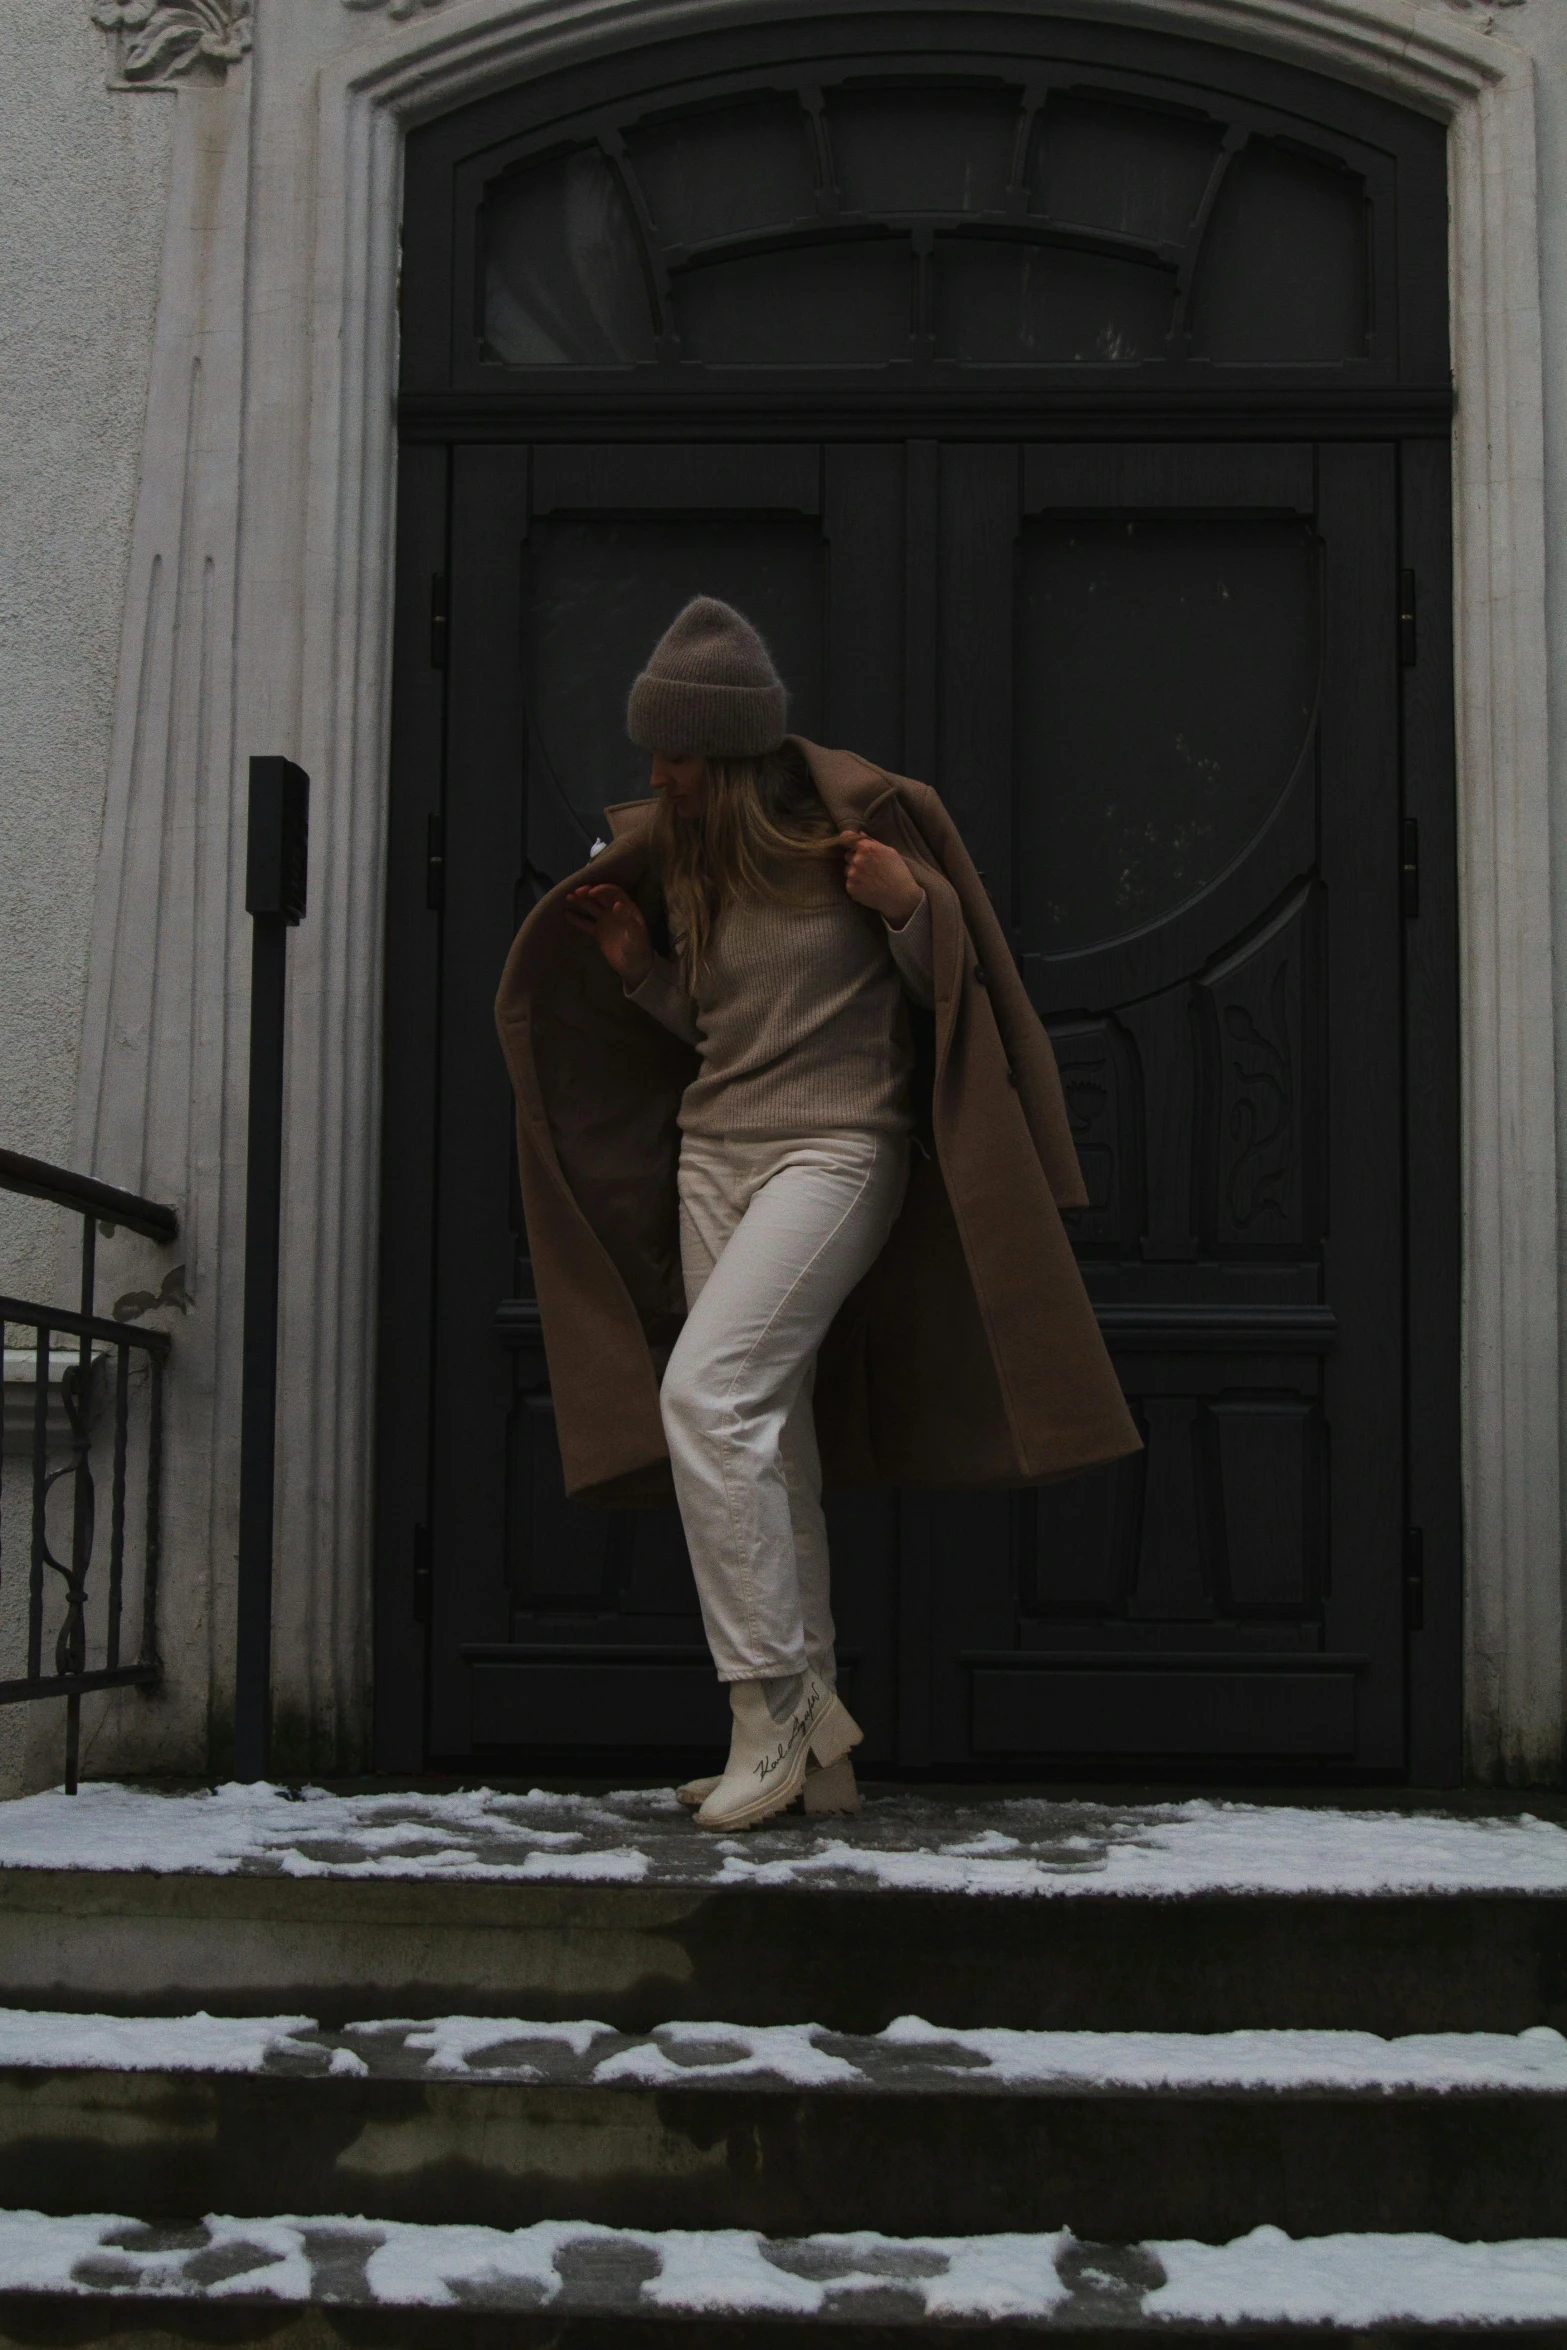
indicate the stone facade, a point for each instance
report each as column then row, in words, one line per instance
column 197, row 351
column 85, row 187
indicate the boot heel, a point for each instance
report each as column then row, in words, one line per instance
column 832, row 1789
column 835, row 1733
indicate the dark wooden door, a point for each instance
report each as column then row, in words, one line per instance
column 1183, row 662
column 1162, row 683
column 556, row 1625
column 1068, row 406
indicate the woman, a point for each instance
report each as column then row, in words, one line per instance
column 797, row 938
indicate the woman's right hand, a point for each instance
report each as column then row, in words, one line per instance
column 614, row 923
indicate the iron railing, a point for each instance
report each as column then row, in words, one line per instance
column 102, row 1349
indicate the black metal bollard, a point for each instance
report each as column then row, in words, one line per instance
column 275, row 875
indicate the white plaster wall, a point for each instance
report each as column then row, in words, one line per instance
column 83, row 181
column 83, row 185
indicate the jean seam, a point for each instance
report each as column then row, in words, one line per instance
column 753, row 1630
column 748, row 1596
column 727, row 1401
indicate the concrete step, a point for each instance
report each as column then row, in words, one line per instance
column 638, row 1955
column 1027, row 1912
column 787, row 2129
column 303, row 2284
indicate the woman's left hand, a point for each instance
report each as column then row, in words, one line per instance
column 876, row 876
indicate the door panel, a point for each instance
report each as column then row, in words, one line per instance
column 1148, row 796
column 1203, row 891
column 559, row 1625
column 618, row 539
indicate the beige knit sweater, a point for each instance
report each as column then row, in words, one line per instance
column 800, row 1015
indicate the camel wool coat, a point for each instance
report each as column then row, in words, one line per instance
column 969, row 1356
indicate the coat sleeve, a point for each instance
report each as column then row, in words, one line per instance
column 1029, row 1051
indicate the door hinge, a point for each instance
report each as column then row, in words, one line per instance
column 1407, row 639
column 421, row 1574
column 1409, row 870
column 1414, row 1579
column 439, row 618
column 435, row 863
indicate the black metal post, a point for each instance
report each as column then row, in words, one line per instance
column 72, row 1647
column 275, row 876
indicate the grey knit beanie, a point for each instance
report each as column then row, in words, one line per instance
column 709, row 687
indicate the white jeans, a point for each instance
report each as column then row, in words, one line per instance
column 773, row 1236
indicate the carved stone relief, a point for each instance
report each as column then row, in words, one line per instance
column 156, row 43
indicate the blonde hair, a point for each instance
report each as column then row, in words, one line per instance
column 758, row 815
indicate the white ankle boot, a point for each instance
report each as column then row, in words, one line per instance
column 768, row 1760
column 825, row 1791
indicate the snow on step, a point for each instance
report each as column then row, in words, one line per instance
column 1359, row 2280
column 403, row 2265
column 152, row 2044
column 910, row 2055
column 1533, row 2059
column 1265, row 2277
column 1022, row 1845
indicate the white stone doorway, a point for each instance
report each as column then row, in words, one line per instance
column 259, row 617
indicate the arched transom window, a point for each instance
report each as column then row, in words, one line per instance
column 929, row 223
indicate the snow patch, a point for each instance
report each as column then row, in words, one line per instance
column 785, row 2052
column 998, row 2276
column 37, row 2255
column 145, row 2043
column 726, row 2268
column 424, row 2267
column 1533, row 2059
column 450, row 2042
column 1359, row 2280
